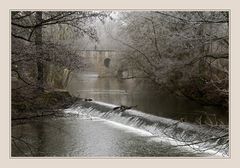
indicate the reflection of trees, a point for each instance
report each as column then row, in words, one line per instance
column 176, row 135
column 25, row 144
column 22, row 146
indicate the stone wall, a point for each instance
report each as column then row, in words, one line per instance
column 105, row 63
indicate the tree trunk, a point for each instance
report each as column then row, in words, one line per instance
column 201, row 63
column 39, row 53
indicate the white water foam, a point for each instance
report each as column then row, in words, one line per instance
column 105, row 104
column 85, row 114
column 127, row 128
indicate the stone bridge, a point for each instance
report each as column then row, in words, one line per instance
column 105, row 63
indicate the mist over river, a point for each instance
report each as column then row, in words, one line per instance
column 120, row 83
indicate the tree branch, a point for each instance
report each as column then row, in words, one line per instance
column 22, row 38
column 19, row 76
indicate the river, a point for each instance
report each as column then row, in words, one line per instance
column 150, row 129
column 142, row 92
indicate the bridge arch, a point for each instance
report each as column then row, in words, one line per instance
column 105, row 63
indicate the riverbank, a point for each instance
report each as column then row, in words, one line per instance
column 48, row 103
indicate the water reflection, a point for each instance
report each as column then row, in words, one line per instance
column 89, row 138
column 83, row 137
column 142, row 93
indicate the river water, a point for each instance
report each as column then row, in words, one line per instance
column 90, row 138
column 150, row 129
column 142, row 92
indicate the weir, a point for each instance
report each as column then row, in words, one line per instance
column 198, row 138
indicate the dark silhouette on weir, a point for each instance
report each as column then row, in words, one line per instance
column 88, row 99
column 123, row 108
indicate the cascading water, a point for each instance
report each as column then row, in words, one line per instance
column 197, row 138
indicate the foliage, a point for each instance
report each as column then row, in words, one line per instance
column 185, row 52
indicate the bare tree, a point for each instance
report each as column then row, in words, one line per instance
column 185, row 52
column 31, row 44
